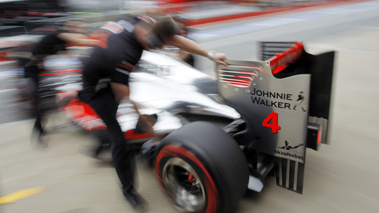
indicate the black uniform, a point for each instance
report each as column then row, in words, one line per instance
column 114, row 59
column 49, row 45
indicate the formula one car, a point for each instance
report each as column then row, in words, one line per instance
column 227, row 135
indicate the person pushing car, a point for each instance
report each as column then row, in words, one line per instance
column 106, row 80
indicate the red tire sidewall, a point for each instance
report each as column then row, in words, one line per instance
column 174, row 151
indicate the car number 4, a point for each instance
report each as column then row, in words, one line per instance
column 273, row 117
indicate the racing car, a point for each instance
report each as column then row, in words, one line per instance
column 225, row 135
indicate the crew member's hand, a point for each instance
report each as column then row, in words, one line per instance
column 219, row 58
column 148, row 124
column 158, row 137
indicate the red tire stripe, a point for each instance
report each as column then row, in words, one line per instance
column 174, row 150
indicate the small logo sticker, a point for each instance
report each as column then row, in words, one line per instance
column 288, row 147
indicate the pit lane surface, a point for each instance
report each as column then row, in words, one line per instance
column 340, row 177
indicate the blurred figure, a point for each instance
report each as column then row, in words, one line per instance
column 183, row 55
column 21, row 53
column 106, row 81
column 55, row 42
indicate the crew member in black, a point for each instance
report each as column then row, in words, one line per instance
column 106, row 77
column 52, row 43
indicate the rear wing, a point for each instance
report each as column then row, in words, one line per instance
column 284, row 54
column 285, row 101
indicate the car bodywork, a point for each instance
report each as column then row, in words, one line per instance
column 162, row 86
column 274, row 108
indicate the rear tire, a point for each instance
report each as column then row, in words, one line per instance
column 202, row 169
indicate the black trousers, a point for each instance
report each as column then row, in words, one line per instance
column 32, row 72
column 105, row 105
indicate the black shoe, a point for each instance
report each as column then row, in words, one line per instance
column 135, row 200
column 38, row 140
column 89, row 151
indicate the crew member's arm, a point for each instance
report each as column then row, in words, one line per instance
column 183, row 55
column 194, row 48
column 77, row 38
column 121, row 93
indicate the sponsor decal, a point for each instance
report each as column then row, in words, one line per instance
column 288, row 147
column 162, row 70
column 113, row 27
column 284, row 151
column 277, row 99
column 299, row 101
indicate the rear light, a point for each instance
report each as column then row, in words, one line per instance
column 313, row 136
column 319, row 136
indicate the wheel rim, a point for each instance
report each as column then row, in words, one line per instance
column 184, row 184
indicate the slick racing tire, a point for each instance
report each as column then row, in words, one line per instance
column 201, row 169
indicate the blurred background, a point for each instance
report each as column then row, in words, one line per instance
column 340, row 177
